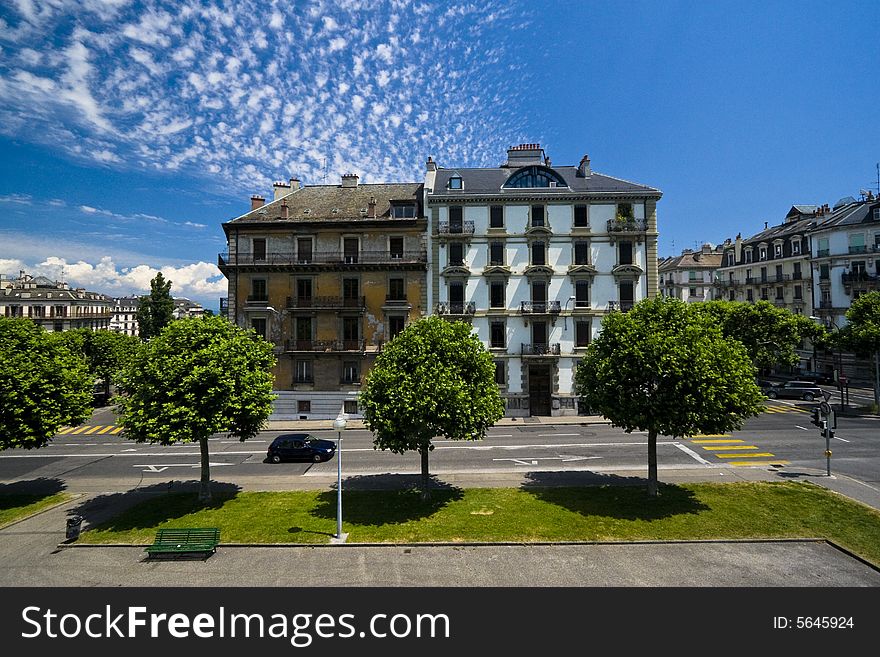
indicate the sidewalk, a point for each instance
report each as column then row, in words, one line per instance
column 309, row 425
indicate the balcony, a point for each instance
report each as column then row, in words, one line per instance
column 858, row 249
column 257, row 300
column 540, row 307
column 396, row 300
column 626, row 226
column 446, row 308
column 780, row 278
column 325, row 345
column 858, row 277
column 331, row 259
column 622, row 306
column 751, row 280
column 826, row 305
column 823, row 253
column 326, row 303
column 540, row 349
column 779, row 301
column 456, row 228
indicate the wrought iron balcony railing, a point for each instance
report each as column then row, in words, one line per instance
column 446, row 308
column 324, row 302
column 539, row 307
column 324, row 258
column 626, row 225
column 456, row 228
column 622, row 306
column 540, row 349
column 325, row 345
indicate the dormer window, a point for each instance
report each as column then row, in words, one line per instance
column 796, row 247
column 748, row 255
column 403, row 211
column 730, row 258
column 777, row 250
column 876, row 214
column 535, row 176
column 762, row 253
column 455, row 183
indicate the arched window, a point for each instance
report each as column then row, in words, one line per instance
column 535, row 176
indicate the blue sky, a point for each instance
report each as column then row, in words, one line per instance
column 129, row 131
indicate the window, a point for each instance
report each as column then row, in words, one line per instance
column 497, row 335
column 351, row 372
column 762, row 254
column 496, row 216
column 824, row 271
column 303, row 406
column 496, row 254
column 876, row 214
column 763, row 274
column 395, row 248
column 496, row 294
column 626, row 293
column 304, row 250
column 259, row 326
column 456, row 293
column 258, row 290
column 403, row 211
column 456, row 219
column 581, row 293
column 14, row 311
column 455, row 182
column 58, row 326
column 624, row 253
column 780, row 294
column 456, row 254
column 580, row 216
column 535, row 177
column 798, row 292
column 396, row 323
column 537, row 215
column 778, row 272
column 624, row 211
column 730, row 296
column 765, row 294
column 748, row 255
column 730, row 258
column 692, row 275
column 581, row 253
column 539, row 295
column 581, row 333
column 350, row 407
column 350, row 291
column 396, row 289
column 857, row 243
column 304, row 333
column 500, row 373
column 538, row 253
column 350, row 249
column 38, row 311
column 351, row 333
column 858, row 267
column 303, row 372
column 796, row 247
column 259, row 249
column 750, row 296
column 693, row 292
column 777, row 250
column 797, row 271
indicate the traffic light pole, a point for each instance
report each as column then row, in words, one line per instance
column 827, row 450
column 822, row 420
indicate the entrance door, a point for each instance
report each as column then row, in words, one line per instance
column 540, row 389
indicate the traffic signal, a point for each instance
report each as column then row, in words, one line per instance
column 817, row 418
column 830, row 433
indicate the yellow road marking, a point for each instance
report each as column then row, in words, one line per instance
column 744, row 456
column 80, row 430
column 721, row 448
column 711, row 435
column 106, row 429
column 756, row 463
column 64, row 431
column 95, row 428
column 730, row 440
column 116, row 430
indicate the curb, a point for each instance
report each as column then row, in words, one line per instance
column 74, row 498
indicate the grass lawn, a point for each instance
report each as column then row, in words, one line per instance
column 607, row 513
column 15, row 507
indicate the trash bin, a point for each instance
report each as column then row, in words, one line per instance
column 74, row 523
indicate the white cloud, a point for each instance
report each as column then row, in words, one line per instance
column 337, row 43
column 383, row 51
column 19, row 199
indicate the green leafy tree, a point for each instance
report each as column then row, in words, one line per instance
column 862, row 333
column 667, row 369
column 44, row 385
column 196, row 378
column 156, row 309
column 434, row 378
column 769, row 334
column 106, row 352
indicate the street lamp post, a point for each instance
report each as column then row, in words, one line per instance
column 339, row 425
column 565, row 308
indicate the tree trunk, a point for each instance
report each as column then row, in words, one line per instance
column 877, row 380
column 652, row 462
column 426, row 479
column 205, row 487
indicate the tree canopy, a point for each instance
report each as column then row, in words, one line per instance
column 198, row 377
column 44, row 385
column 666, row 368
column 156, row 309
column 862, row 332
column 434, row 378
column 769, row 334
column 106, row 352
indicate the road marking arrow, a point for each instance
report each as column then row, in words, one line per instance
column 165, row 466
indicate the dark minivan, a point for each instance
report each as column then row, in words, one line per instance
column 300, row 447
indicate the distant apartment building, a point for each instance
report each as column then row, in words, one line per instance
column 534, row 256
column 54, row 305
column 328, row 274
column 691, row 275
column 845, row 265
column 184, row 308
column 124, row 318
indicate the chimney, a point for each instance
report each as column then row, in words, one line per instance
column 285, row 211
column 294, row 184
column 372, row 205
column 349, row 180
column 547, row 162
column 584, row 167
column 257, row 201
column 432, row 165
column 765, row 225
column 280, row 189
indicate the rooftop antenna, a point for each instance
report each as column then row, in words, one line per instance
column 62, row 273
column 673, row 246
column 324, row 177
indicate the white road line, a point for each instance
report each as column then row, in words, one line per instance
column 692, row 453
column 843, row 439
column 555, row 435
column 802, row 428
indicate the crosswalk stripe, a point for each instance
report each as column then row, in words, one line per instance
column 64, row 431
column 95, row 428
column 745, row 456
column 717, row 441
column 721, row 448
column 755, row 463
column 78, row 431
column 106, row 429
column 116, row 430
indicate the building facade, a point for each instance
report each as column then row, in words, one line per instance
column 328, row 273
column 845, row 265
column 534, row 256
column 124, row 318
column 54, row 305
column 184, row 308
column 690, row 276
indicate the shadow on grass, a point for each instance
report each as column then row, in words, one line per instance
column 36, row 489
column 149, row 506
column 386, row 499
column 611, row 496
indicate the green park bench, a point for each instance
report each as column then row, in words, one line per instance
column 184, row 541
